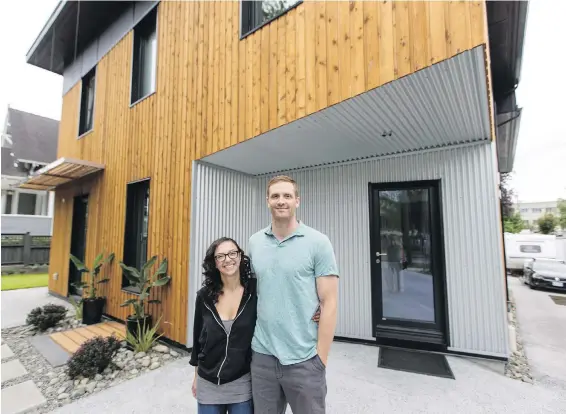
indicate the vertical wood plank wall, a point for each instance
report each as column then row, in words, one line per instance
column 215, row 90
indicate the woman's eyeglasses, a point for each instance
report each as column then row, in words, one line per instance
column 222, row 256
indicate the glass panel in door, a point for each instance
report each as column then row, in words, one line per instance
column 407, row 286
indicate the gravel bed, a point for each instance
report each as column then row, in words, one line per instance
column 58, row 388
column 518, row 365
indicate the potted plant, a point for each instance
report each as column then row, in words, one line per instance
column 93, row 304
column 143, row 281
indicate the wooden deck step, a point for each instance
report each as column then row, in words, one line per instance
column 72, row 339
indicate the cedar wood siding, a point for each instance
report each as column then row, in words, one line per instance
column 215, row 90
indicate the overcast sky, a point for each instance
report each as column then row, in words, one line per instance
column 540, row 162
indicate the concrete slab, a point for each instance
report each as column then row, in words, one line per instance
column 6, row 352
column 12, row 370
column 51, row 351
column 16, row 304
column 21, row 398
column 355, row 385
column 542, row 323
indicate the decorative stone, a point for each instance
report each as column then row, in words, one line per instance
column 91, row 386
column 154, row 365
column 54, row 381
column 107, row 370
column 97, row 377
column 166, row 357
column 79, row 391
column 63, row 389
column 134, row 371
column 120, row 364
column 156, row 359
column 140, row 355
column 174, row 354
column 50, row 390
column 85, row 381
column 101, row 384
column 76, row 382
column 145, row 363
column 62, row 396
column 161, row 348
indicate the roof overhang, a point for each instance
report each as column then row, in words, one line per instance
column 72, row 26
column 442, row 105
column 60, row 172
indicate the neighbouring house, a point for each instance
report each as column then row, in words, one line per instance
column 531, row 211
column 394, row 117
column 29, row 142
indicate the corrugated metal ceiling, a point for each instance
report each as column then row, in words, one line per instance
column 442, row 105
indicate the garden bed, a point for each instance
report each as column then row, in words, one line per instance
column 54, row 383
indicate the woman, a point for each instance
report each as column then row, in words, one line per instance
column 225, row 318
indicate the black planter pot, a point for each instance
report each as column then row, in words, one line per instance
column 92, row 310
column 132, row 324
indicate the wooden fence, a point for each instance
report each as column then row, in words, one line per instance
column 25, row 249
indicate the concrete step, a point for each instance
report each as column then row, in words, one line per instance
column 6, row 352
column 12, row 370
column 21, row 398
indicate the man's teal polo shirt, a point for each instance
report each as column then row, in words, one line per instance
column 287, row 294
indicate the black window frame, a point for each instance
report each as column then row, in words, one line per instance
column 88, row 81
column 146, row 26
column 250, row 19
column 138, row 196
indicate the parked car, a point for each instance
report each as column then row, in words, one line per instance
column 545, row 273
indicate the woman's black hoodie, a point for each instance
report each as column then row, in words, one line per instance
column 223, row 357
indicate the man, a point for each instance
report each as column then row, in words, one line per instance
column 297, row 273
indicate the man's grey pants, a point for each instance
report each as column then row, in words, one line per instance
column 302, row 385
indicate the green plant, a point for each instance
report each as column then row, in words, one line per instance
column 513, row 223
column 143, row 281
column 145, row 338
column 93, row 357
column 47, row 317
column 547, row 223
column 98, row 262
column 78, row 306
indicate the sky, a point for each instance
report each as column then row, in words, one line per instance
column 540, row 161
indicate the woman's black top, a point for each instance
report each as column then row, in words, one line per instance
column 223, row 356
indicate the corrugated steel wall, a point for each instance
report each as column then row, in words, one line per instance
column 334, row 200
column 223, row 204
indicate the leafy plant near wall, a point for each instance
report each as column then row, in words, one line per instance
column 93, row 357
column 143, row 281
column 78, row 306
column 92, row 305
column 46, row 317
column 90, row 286
column 144, row 338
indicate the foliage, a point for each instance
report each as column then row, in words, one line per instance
column 547, row 223
column 507, row 195
column 513, row 224
column 93, row 357
column 145, row 337
column 47, row 317
column 78, row 305
column 562, row 210
column 98, row 262
column 143, row 281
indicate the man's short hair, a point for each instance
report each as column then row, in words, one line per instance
column 283, row 179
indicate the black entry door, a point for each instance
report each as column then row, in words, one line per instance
column 408, row 283
column 78, row 240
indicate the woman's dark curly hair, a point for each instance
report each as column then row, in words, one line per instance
column 212, row 283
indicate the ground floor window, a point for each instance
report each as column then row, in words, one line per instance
column 136, row 231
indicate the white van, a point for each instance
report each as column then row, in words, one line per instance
column 520, row 247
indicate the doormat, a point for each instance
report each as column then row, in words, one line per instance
column 418, row 362
column 559, row 300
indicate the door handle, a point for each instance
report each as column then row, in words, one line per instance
column 380, row 254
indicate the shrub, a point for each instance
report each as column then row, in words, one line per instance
column 47, row 317
column 93, row 357
column 145, row 338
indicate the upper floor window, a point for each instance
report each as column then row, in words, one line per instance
column 137, row 222
column 257, row 13
column 87, row 102
column 145, row 57
column 537, row 210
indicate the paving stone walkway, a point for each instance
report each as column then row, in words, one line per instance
column 21, row 396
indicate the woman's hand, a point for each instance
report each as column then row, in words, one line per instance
column 316, row 316
column 195, row 387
